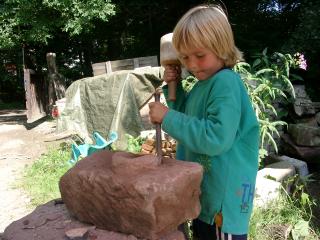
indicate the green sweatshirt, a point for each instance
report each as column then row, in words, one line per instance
column 215, row 125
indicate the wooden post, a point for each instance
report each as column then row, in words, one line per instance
column 56, row 82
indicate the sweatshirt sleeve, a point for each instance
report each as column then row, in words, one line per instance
column 215, row 133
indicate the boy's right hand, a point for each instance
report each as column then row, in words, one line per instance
column 172, row 73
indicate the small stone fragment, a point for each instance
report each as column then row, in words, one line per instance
column 78, row 233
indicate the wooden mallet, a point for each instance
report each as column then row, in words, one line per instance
column 169, row 56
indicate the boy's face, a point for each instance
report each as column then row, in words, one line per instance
column 201, row 62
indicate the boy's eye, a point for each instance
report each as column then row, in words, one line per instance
column 200, row 55
column 183, row 57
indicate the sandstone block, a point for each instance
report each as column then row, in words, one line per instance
column 131, row 194
column 52, row 221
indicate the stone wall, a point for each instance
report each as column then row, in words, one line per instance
column 302, row 138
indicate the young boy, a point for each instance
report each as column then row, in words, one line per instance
column 214, row 124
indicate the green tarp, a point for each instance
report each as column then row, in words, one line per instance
column 109, row 102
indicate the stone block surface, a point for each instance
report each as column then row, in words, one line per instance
column 300, row 166
column 302, row 102
column 267, row 190
column 308, row 154
column 304, row 135
column 52, row 221
column 278, row 171
column 132, row 194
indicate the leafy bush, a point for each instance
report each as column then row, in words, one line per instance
column 11, row 87
column 134, row 144
column 288, row 214
column 270, row 222
column 268, row 83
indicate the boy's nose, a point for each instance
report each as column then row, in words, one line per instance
column 192, row 66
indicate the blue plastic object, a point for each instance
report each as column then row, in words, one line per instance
column 87, row 149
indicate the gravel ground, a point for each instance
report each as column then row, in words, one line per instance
column 18, row 148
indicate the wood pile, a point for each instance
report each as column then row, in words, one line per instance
column 168, row 147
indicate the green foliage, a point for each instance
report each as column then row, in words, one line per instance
column 11, row 89
column 294, row 211
column 37, row 21
column 41, row 179
column 288, row 211
column 279, row 213
column 77, row 16
column 305, row 36
column 268, row 83
column 134, row 144
column 300, row 195
column 300, row 230
column 188, row 83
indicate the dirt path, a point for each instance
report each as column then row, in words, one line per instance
column 18, row 147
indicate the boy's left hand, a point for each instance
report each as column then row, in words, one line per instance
column 157, row 112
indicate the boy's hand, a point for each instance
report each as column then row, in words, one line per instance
column 157, row 111
column 172, row 73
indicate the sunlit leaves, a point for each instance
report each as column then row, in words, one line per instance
column 77, row 14
column 268, row 83
column 37, row 21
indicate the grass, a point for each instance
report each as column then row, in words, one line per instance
column 41, row 179
column 272, row 220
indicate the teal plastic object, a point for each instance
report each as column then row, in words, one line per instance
column 87, row 149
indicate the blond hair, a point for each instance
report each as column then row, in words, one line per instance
column 207, row 26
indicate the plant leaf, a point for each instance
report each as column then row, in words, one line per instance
column 300, row 230
column 265, row 70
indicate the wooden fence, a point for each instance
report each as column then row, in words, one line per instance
column 125, row 64
column 36, row 95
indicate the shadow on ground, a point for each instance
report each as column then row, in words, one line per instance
column 12, row 117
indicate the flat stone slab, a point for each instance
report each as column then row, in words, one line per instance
column 132, row 194
column 267, row 190
column 52, row 221
column 300, row 166
column 278, row 171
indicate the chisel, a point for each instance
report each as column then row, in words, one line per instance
column 158, row 130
